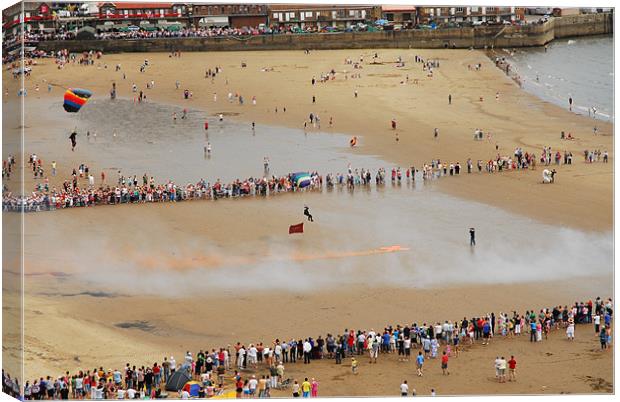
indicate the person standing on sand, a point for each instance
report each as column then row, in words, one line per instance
column 296, row 388
column 570, row 329
column 305, row 388
column 449, row 99
column 512, row 369
column 315, row 388
column 603, row 338
column 354, row 365
column 444, row 363
column 393, row 124
column 597, row 323
column 420, row 363
column 436, row 132
column 570, row 104
column 472, row 236
column 404, row 389
column 502, row 369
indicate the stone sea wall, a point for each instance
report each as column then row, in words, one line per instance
column 479, row 37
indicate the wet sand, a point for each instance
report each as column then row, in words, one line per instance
column 203, row 274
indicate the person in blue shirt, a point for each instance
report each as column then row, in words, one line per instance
column 420, row 363
column 386, row 342
column 486, row 332
column 533, row 331
column 607, row 319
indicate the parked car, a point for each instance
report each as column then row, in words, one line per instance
column 330, row 29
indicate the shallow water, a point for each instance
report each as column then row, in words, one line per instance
column 344, row 248
column 144, row 138
column 581, row 68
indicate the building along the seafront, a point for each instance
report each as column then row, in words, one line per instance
column 233, row 15
column 446, row 15
column 147, row 16
column 317, row 16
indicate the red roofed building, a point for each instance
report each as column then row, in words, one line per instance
column 400, row 14
column 36, row 17
column 142, row 11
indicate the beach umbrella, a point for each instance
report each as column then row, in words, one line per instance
column 75, row 99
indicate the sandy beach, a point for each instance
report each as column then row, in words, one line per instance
column 107, row 285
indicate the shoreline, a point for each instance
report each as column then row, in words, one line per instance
column 505, row 60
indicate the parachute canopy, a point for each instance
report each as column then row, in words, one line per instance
column 301, row 179
column 76, row 98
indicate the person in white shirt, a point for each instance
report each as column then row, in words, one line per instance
column 120, row 394
column 173, row 364
column 252, row 356
column 407, row 347
column 78, row 387
column 502, row 369
column 131, row 393
column 404, row 389
column 278, row 352
column 307, row 349
column 498, row 363
column 597, row 324
column 252, row 384
column 240, row 358
column 99, row 392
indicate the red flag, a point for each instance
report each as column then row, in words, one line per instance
column 299, row 228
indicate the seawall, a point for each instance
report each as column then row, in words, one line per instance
column 479, row 37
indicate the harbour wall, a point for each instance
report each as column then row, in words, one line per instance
column 478, row 37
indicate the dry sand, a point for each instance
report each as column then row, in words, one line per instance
column 67, row 329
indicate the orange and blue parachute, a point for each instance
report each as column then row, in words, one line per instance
column 76, row 98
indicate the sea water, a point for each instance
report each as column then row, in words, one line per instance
column 581, row 68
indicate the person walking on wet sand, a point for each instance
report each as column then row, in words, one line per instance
column 449, row 99
column 472, row 236
column 307, row 213
column 570, row 104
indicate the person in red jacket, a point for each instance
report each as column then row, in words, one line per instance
column 444, row 363
column 512, row 368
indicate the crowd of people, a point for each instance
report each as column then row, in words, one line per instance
column 82, row 190
column 193, row 32
column 239, row 366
